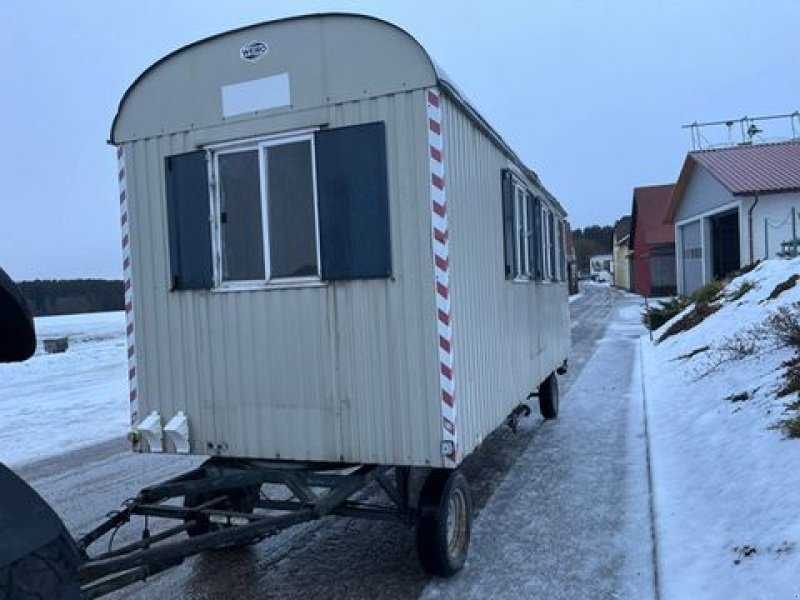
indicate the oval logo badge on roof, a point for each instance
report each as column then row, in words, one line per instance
column 253, row 51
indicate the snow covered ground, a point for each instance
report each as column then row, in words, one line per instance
column 54, row 403
column 726, row 482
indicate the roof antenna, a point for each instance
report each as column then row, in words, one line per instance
column 752, row 131
column 729, row 125
column 749, row 130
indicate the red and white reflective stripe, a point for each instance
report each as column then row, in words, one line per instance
column 126, row 275
column 441, row 258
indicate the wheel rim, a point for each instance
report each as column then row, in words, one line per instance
column 456, row 522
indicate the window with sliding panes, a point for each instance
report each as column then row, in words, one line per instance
column 520, row 222
column 545, row 244
column 551, row 246
column 292, row 209
column 530, row 234
column 267, row 193
column 524, row 233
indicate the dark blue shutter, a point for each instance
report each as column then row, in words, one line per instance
column 188, row 216
column 508, row 223
column 353, row 201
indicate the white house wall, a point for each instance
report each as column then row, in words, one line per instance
column 772, row 223
column 622, row 264
column 703, row 195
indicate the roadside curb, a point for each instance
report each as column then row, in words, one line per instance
column 650, row 485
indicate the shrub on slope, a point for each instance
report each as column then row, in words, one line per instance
column 748, row 327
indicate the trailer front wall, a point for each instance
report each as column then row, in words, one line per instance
column 507, row 336
column 341, row 372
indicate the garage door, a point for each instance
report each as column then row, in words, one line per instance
column 692, row 253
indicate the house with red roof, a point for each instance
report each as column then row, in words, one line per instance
column 652, row 242
column 733, row 206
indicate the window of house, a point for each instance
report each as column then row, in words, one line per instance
column 265, row 216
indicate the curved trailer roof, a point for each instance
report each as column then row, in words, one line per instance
column 344, row 72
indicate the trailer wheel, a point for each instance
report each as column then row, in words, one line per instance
column 548, row 397
column 445, row 523
column 239, row 500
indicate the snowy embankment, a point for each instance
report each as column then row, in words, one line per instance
column 726, row 480
column 54, row 403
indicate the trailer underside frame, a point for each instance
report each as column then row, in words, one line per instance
column 298, row 492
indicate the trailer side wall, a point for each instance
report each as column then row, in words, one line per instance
column 507, row 335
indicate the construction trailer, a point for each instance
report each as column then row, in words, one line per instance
column 332, row 263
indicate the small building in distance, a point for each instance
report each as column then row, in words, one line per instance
column 652, row 241
column 733, row 206
column 622, row 262
column 601, row 268
column 571, row 258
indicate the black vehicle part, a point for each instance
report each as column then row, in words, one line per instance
column 445, row 522
column 520, row 411
column 17, row 334
column 548, row 397
column 48, row 572
column 38, row 558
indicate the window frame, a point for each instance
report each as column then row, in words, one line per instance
column 260, row 144
column 544, row 247
column 552, row 246
column 536, row 232
column 523, row 235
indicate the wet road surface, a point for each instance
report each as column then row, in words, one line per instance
column 348, row 558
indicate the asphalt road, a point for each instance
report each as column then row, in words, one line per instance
column 348, row 558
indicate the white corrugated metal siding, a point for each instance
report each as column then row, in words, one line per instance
column 345, row 371
column 507, row 336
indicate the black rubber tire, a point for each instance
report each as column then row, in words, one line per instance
column 445, row 523
column 17, row 332
column 241, row 500
column 49, row 572
column 548, row 397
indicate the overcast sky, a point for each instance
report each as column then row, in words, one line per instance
column 591, row 95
